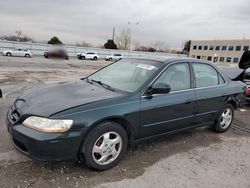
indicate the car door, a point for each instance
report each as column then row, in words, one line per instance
column 89, row 55
column 210, row 91
column 15, row 52
column 19, row 52
column 163, row 113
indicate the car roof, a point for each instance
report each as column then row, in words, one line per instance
column 168, row 59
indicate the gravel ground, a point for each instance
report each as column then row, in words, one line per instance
column 195, row 158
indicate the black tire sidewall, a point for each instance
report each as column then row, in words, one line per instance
column 217, row 126
column 94, row 134
column 27, row 55
column 8, row 54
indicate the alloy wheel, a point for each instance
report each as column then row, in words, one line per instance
column 226, row 118
column 107, row 148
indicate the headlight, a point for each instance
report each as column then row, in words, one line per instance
column 47, row 125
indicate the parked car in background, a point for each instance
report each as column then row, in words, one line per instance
column 18, row 52
column 246, row 56
column 114, row 57
column 88, row 55
column 242, row 73
column 96, row 118
column 57, row 53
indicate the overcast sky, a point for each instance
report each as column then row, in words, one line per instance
column 171, row 21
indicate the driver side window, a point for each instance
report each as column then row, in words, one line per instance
column 177, row 76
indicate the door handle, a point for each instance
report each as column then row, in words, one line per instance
column 188, row 101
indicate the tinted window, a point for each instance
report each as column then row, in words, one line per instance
column 177, row 76
column 228, row 59
column 209, row 58
column 200, row 48
column 238, row 48
column 222, row 59
column 205, row 75
column 246, row 48
column 221, row 80
column 194, row 47
column 217, row 48
column 236, row 60
column 205, row 47
column 231, row 48
column 211, row 47
column 224, row 48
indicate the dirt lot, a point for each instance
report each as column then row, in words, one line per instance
column 196, row 158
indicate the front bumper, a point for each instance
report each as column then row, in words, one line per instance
column 45, row 147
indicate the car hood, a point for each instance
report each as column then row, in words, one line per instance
column 58, row 97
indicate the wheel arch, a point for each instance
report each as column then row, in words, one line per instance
column 233, row 101
column 128, row 127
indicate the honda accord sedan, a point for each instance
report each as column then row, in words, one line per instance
column 95, row 119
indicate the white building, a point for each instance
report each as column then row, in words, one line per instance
column 219, row 50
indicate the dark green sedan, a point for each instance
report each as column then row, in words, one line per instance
column 95, row 119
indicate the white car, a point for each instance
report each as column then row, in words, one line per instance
column 114, row 57
column 18, row 52
column 88, row 55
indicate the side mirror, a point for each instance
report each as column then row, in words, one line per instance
column 160, row 88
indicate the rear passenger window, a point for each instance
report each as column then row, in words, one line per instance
column 221, row 80
column 206, row 75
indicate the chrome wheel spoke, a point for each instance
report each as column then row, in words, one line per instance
column 106, row 139
column 103, row 159
column 115, row 140
column 97, row 149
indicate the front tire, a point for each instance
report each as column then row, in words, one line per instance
column 225, row 119
column 8, row 54
column 105, row 146
column 95, row 58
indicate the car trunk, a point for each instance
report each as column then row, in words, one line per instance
column 239, row 73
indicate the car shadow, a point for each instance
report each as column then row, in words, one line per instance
column 134, row 164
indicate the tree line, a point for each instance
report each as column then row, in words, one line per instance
column 122, row 42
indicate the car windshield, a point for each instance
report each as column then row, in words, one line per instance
column 126, row 75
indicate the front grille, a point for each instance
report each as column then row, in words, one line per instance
column 13, row 116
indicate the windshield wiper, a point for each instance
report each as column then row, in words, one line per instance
column 106, row 86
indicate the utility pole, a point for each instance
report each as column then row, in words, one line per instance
column 113, row 35
column 132, row 24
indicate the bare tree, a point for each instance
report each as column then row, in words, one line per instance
column 18, row 36
column 123, row 39
column 84, row 44
column 160, row 46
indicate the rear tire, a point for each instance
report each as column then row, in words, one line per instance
column 105, row 146
column 8, row 54
column 95, row 58
column 27, row 55
column 110, row 59
column 225, row 119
